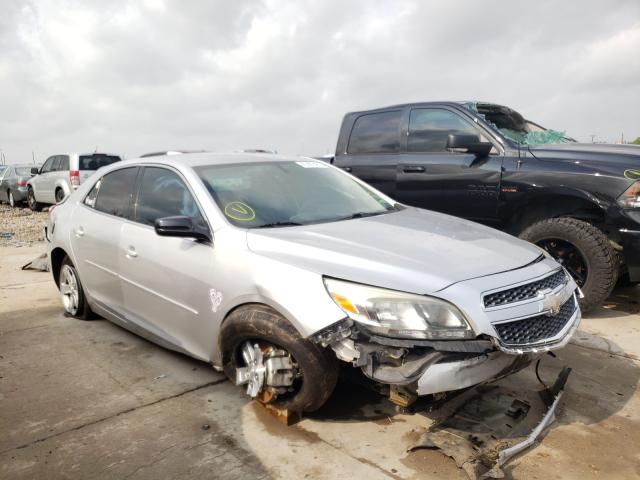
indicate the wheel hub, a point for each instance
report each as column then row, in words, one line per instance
column 267, row 369
column 69, row 290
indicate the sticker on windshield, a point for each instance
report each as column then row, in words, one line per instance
column 632, row 174
column 312, row 164
column 239, row 211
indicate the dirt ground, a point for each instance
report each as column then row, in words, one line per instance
column 90, row 400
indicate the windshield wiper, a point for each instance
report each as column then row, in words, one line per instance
column 279, row 224
column 361, row 215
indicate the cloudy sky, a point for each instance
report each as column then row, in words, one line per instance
column 137, row 76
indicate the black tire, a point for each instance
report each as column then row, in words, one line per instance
column 318, row 365
column 59, row 195
column 11, row 199
column 83, row 311
column 594, row 247
column 31, row 201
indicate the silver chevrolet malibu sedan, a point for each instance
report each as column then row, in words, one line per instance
column 278, row 269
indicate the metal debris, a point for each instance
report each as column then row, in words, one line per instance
column 39, row 263
column 491, row 424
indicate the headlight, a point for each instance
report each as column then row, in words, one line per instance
column 398, row 314
column 631, row 197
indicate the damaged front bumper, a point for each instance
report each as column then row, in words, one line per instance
column 413, row 368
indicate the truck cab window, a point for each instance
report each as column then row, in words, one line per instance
column 429, row 129
column 376, row 133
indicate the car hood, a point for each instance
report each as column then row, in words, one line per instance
column 411, row 250
column 605, row 158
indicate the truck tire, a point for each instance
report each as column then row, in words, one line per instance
column 261, row 325
column 584, row 250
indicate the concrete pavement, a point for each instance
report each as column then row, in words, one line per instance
column 90, row 400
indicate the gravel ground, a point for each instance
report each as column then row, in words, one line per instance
column 20, row 226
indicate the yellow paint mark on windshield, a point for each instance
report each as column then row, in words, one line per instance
column 632, row 174
column 239, row 211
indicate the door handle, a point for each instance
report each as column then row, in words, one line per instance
column 79, row 232
column 131, row 252
column 413, row 169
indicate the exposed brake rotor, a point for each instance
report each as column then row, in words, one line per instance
column 268, row 371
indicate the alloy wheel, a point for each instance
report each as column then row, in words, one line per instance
column 12, row 201
column 69, row 289
column 568, row 256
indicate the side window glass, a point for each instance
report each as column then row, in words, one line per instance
column 376, row 133
column 55, row 166
column 115, row 191
column 47, row 165
column 163, row 194
column 90, row 199
column 430, row 128
column 64, row 163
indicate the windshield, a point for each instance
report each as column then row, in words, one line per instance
column 515, row 127
column 96, row 161
column 284, row 193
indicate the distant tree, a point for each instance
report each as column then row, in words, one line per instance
column 636, row 141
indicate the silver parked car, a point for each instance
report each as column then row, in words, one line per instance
column 274, row 269
column 13, row 184
column 62, row 174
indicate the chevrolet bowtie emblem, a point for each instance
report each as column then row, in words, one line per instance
column 551, row 302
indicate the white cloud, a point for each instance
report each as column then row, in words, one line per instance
column 137, row 76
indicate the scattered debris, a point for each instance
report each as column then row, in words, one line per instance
column 160, row 377
column 206, row 426
column 20, row 226
column 491, row 424
column 39, row 263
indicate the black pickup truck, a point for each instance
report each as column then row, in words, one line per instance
column 487, row 163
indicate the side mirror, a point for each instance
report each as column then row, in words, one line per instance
column 470, row 143
column 180, row 226
column 35, row 170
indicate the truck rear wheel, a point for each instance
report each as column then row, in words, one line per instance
column 583, row 250
column 262, row 350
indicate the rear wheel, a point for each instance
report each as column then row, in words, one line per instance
column 12, row 201
column 584, row 250
column 32, row 202
column 263, row 351
column 73, row 297
column 59, row 195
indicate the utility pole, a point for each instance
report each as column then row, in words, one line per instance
column 33, row 157
column 593, row 136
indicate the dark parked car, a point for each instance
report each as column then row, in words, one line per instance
column 486, row 162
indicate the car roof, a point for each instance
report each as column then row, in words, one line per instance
column 212, row 158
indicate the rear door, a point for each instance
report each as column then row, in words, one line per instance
column 43, row 182
column 432, row 177
column 95, row 237
column 373, row 148
column 166, row 281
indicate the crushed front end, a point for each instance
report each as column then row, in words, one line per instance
column 473, row 332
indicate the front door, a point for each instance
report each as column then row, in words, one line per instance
column 43, row 182
column 432, row 177
column 166, row 281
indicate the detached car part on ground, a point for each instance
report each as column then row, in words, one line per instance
column 487, row 163
column 276, row 269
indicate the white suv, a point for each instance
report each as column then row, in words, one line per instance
column 62, row 174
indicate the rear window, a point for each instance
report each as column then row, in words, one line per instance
column 22, row 171
column 96, row 161
column 376, row 133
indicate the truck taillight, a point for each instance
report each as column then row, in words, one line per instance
column 22, row 183
column 74, row 178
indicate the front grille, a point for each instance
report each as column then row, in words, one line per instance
column 535, row 329
column 524, row 292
